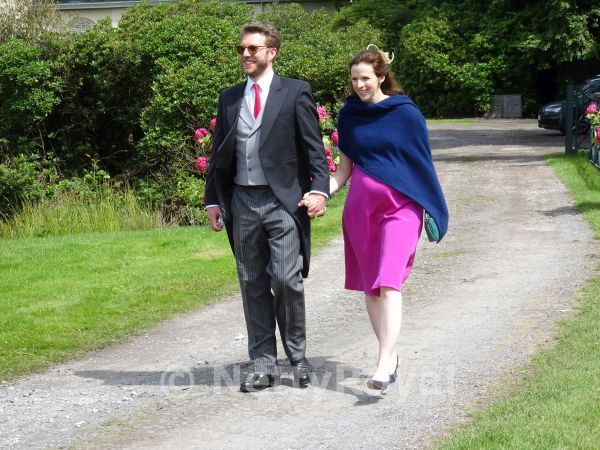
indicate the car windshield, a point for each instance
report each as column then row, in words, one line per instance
column 591, row 88
column 591, row 92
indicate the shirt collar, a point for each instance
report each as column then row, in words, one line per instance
column 265, row 80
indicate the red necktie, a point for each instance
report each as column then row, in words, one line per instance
column 256, row 100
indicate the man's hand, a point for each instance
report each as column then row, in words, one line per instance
column 215, row 218
column 314, row 203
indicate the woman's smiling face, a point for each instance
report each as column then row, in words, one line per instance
column 366, row 83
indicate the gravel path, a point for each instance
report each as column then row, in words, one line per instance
column 477, row 307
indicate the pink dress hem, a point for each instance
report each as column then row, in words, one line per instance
column 381, row 228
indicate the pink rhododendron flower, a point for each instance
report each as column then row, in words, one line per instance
column 213, row 122
column 202, row 164
column 334, row 138
column 200, row 133
column 328, row 152
column 322, row 112
column 591, row 108
column 332, row 166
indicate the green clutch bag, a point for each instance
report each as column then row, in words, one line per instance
column 431, row 228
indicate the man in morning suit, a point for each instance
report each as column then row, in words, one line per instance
column 267, row 154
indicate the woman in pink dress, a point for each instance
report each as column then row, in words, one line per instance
column 385, row 149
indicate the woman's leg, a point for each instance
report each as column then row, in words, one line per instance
column 387, row 311
column 373, row 309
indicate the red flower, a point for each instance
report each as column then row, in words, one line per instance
column 212, row 124
column 322, row 112
column 334, row 138
column 200, row 133
column 328, row 153
column 202, row 164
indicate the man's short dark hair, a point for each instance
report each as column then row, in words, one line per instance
column 270, row 33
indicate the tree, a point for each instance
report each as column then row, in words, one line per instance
column 455, row 53
column 29, row 20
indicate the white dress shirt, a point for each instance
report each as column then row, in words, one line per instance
column 264, row 85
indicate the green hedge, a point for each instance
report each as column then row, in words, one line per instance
column 127, row 100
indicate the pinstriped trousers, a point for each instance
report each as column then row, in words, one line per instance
column 269, row 264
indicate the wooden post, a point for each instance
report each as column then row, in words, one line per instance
column 569, row 109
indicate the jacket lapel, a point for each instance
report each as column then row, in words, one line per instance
column 233, row 108
column 232, row 114
column 277, row 95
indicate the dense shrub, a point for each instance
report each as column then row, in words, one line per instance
column 439, row 73
column 186, row 56
column 19, row 182
column 125, row 101
column 187, row 48
column 30, row 88
column 98, row 117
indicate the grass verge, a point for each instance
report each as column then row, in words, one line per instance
column 61, row 296
column 558, row 405
column 72, row 213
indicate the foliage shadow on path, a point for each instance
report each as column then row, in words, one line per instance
column 489, row 157
column 441, row 139
column 328, row 374
column 573, row 210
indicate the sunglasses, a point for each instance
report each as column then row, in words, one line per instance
column 252, row 49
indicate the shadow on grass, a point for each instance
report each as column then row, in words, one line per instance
column 588, row 206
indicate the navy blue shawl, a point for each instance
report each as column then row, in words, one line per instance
column 389, row 142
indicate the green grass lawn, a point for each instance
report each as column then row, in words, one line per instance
column 61, row 296
column 558, row 405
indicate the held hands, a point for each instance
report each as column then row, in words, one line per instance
column 314, row 203
column 215, row 218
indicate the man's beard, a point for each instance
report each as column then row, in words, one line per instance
column 260, row 66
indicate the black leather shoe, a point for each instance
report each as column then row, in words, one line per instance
column 302, row 370
column 258, row 381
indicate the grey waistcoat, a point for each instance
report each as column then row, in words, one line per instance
column 249, row 170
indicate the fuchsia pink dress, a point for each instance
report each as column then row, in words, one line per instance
column 381, row 229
